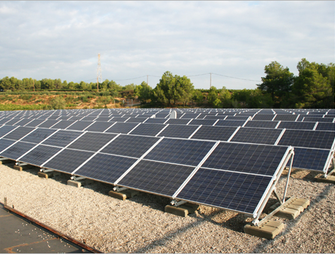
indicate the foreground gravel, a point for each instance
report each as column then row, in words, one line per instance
column 141, row 225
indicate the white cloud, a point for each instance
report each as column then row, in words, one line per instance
column 137, row 38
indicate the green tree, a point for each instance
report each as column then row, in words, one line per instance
column 225, row 98
column 313, row 89
column 198, row 97
column 213, row 97
column 277, row 82
column 144, row 92
column 164, row 90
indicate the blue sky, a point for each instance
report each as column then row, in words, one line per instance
column 233, row 40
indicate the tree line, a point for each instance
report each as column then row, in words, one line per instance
column 280, row 88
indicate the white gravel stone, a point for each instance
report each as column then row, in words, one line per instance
column 141, row 225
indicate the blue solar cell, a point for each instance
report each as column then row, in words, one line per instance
column 39, row 155
column 4, row 143
column 122, row 127
column 18, row 133
column 105, row 167
column 92, row 141
column 235, row 191
column 305, row 138
column 214, row 133
column 5, row 129
column 38, row 135
column 17, row 150
column 188, row 152
column 132, row 146
column 156, row 177
column 262, row 124
column 257, row 135
column 62, row 138
column 68, row 160
column 311, row 159
column 148, row 129
column 178, row 131
column 257, row 159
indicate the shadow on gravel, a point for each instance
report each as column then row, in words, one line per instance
column 261, row 247
column 235, row 223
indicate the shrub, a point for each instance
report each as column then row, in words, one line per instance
column 58, row 103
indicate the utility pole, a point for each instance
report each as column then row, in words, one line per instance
column 99, row 76
column 210, row 80
column 147, row 79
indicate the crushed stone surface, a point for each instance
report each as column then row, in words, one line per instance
column 140, row 224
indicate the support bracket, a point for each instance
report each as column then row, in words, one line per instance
column 175, row 202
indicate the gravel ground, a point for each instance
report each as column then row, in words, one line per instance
column 140, row 224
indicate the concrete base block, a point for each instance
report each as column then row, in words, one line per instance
column 17, row 167
column 176, row 210
column 288, row 213
column 292, row 208
column 268, row 230
column 45, row 175
column 74, row 183
column 117, row 195
column 328, row 179
column 301, row 202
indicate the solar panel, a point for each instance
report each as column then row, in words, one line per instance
column 214, row 133
column 63, row 124
column 18, row 133
column 132, row 146
column 62, row 138
column 136, row 120
column 22, row 122
column 4, row 143
column 305, row 138
column 297, row 125
column 48, row 123
column 5, row 129
column 317, row 119
column 263, row 117
column 234, row 123
column 156, row 177
column 326, row 126
column 105, row 167
column 38, row 135
column 17, row 150
column 148, row 129
column 156, row 120
column 248, row 158
column 13, row 121
column 180, row 131
column 178, row 121
column 100, row 126
column 187, row 152
column 257, row 136
column 92, row 141
column 202, row 122
column 122, row 127
column 34, row 123
column 234, row 191
column 311, row 159
column 286, row 117
column 68, row 160
column 79, row 126
column 39, row 155
column 261, row 124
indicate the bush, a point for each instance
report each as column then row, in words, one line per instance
column 58, row 103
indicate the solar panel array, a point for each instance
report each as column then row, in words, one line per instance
column 226, row 158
